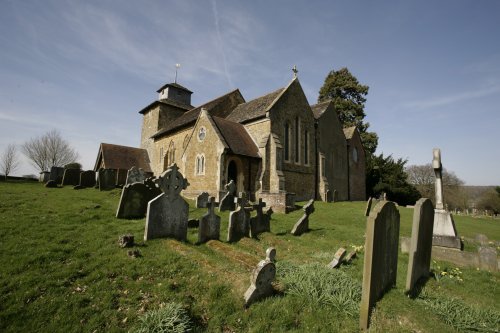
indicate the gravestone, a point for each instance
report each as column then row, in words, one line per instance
column 271, row 254
column 349, row 257
column 445, row 232
column 56, row 174
column 259, row 223
column 381, row 257
column 209, row 224
column 239, row 220
column 269, row 213
column 328, row 196
column 87, row 178
column 227, row 202
column 261, row 281
column 51, row 184
column 107, row 179
column 71, row 177
column 135, row 175
column 134, row 200
column 167, row 214
column 337, row 258
column 44, row 176
column 202, row 200
column 368, row 206
column 302, row 224
column 421, row 243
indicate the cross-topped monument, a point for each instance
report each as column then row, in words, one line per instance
column 445, row 232
column 295, row 71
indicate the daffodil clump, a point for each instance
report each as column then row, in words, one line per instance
column 450, row 273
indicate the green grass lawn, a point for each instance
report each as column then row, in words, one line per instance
column 63, row 271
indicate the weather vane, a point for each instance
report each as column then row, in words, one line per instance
column 177, row 66
column 295, row 71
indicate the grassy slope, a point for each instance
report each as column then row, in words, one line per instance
column 62, row 269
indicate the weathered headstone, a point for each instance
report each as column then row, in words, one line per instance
column 368, row 206
column 134, row 200
column 421, row 243
column 337, row 258
column 135, row 175
column 481, row 239
column 227, row 202
column 239, row 221
column 209, row 224
column 260, row 222
column 488, row 258
column 51, row 184
column 71, row 177
column 328, row 196
column 202, row 200
column 349, row 257
column 107, row 179
column 271, row 254
column 261, row 282
column 87, row 178
column 302, row 224
column 445, row 232
column 381, row 257
column 56, row 174
column 167, row 214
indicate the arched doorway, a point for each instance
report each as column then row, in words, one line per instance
column 232, row 172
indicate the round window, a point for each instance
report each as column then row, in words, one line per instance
column 202, row 133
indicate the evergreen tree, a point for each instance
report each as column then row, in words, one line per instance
column 348, row 97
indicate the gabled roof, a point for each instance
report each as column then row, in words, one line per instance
column 349, row 132
column 175, row 85
column 216, row 107
column 170, row 102
column 320, row 108
column 236, row 138
column 122, row 157
column 254, row 109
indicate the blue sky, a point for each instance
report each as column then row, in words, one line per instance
column 87, row 67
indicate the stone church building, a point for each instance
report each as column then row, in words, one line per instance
column 276, row 147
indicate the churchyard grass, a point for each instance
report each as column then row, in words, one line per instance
column 63, row 271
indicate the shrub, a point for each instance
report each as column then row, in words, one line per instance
column 171, row 317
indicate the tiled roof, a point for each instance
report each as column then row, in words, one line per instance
column 122, row 157
column 319, row 108
column 254, row 109
column 236, row 137
column 175, row 85
column 168, row 102
column 349, row 132
column 220, row 107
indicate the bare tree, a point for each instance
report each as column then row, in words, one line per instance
column 422, row 176
column 49, row 150
column 9, row 161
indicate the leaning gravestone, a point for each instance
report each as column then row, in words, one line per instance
column 135, row 175
column 262, row 279
column 368, row 206
column 134, row 200
column 337, row 258
column 56, row 174
column 227, row 202
column 381, row 257
column 302, row 224
column 107, row 179
column 209, row 224
column 87, row 178
column 445, row 232
column 259, row 223
column 239, row 220
column 71, row 177
column 421, row 243
column 202, row 200
column 167, row 214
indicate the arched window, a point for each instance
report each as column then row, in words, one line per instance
column 200, row 165
column 287, row 141
column 297, row 134
column 355, row 155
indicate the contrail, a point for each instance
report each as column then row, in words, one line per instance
column 217, row 29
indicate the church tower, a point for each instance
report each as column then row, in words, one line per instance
column 173, row 101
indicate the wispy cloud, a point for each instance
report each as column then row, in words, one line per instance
column 221, row 43
column 451, row 99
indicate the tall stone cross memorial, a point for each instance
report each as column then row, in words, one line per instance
column 445, row 232
column 167, row 214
